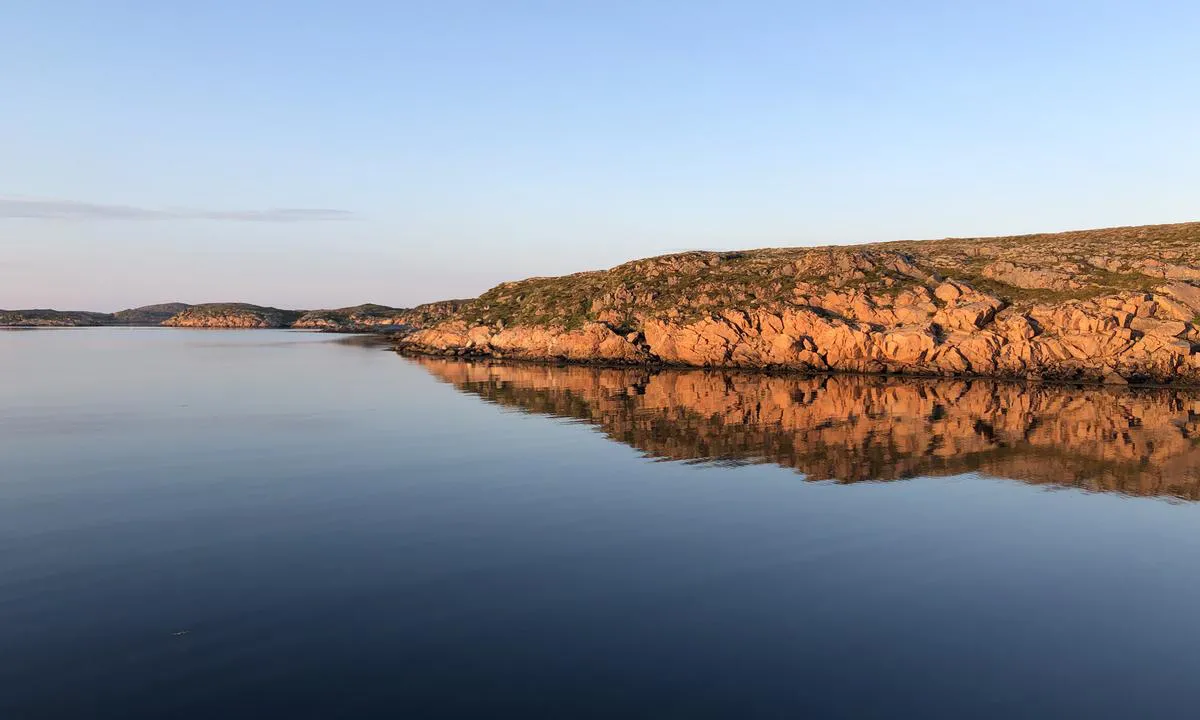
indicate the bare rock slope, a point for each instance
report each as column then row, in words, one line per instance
column 1118, row 305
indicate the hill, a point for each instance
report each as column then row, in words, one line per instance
column 233, row 315
column 149, row 314
column 1114, row 304
column 146, row 315
column 377, row 317
column 53, row 318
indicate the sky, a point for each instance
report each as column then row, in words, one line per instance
column 323, row 154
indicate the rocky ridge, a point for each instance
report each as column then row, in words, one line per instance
column 1113, row 305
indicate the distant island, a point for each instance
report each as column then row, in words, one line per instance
column 1114, row 305
column 360, row 318
column 146, row 315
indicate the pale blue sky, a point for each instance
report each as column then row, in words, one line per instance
column 467, row 143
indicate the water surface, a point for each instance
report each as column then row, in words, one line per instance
column 200, row 524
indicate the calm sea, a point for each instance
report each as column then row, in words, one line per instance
column 254, row 524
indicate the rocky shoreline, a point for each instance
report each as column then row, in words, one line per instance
column 1116, row 306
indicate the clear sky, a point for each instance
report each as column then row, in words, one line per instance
column 315, row 154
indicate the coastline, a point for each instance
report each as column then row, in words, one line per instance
column 776, row 371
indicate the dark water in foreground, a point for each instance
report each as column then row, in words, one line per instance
column 199, row 524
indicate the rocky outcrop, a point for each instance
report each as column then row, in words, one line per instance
column 1032, row 278
column 592, row 342
column 1074, row 306
column 851, row 428
column 232, row 315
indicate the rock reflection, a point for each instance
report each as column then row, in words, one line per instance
column 858, row 428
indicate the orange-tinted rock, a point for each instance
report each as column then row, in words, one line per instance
column 1029, row 277
column 1036, row 307
column 1162, row 328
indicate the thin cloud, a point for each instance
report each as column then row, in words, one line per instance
column 36, row 209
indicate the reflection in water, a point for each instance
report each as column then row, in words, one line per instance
column 854, row 428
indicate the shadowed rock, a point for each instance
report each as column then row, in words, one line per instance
column 232, row 315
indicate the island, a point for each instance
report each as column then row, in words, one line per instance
column 233, row 315
column 145, row 315
column 357, row 319
column 1113, row 305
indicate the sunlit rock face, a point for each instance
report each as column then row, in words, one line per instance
column 1114, row 305
column 849, row 428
